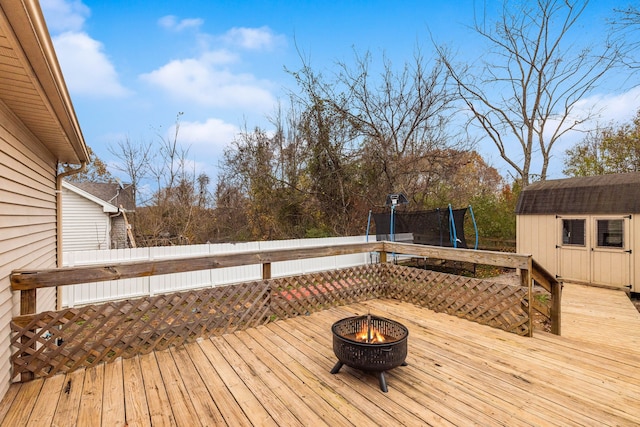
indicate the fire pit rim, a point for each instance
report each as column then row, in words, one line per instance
column 372, row 344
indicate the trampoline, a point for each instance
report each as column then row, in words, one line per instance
column 437, row 227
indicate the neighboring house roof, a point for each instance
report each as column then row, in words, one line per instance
column 113, row 193
column 604, row 194
column 106, row 207
column 31, row 82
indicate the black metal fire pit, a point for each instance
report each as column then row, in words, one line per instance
column 371, row 344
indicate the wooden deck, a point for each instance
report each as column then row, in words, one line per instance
column 600, row 316
column 459, row 373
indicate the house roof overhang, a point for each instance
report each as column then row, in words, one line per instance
column 31, row 81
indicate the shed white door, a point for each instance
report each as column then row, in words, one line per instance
column 595, row 249
column 611, row 251
column 574, row 255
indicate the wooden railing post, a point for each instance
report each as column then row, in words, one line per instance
column 27, row 306
column 526, row 281
column 266, row 271
column 556, row 310
column 383, row 257
column 554, row 287
column 28, row 301
column 266, row 275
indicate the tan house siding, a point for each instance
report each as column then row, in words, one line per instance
column 27, row 221
column 38, row 130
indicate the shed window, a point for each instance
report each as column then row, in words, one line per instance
column 573, row 232
column 611, row 233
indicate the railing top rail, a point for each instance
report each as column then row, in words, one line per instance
column 502, row 259
column 543, row 277
column 33, row 279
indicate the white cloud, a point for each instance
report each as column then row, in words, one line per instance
column 170, row 22
column 206, row 82
column 64, row 15
column 606, row 109
column 253, row 38
column 86, row 68
column 614, row 107
column 211, row 133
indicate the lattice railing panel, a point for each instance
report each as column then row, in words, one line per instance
column 69, row 339
column 494, row 304
column 73, row 338
column 300, row 295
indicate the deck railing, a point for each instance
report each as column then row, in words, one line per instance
column 93, row 293
column 76, row 337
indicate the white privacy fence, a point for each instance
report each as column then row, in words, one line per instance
column 145, row 286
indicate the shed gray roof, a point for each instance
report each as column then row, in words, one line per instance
column 604, row 194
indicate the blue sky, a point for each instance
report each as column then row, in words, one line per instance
column 131, row 66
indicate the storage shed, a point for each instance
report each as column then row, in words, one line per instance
column 583, row 229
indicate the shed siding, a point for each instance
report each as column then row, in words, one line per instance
column 85, row 225
column 27, row 221
column 537, row 235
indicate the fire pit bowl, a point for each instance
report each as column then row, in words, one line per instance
column 371, row 344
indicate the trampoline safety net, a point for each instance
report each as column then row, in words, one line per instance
column 423, row 227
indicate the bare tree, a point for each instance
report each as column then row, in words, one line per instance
column 173, row 157
column 179, row 207
column 134, row 160
column 391, row 120
column 626, row 27
column 525, row 92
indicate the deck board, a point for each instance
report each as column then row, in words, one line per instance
column 287, row 374
column 113, row 411
column 91, row 399
column 304, row 414
column 249, row 403
column 69, row 400
column 204, row 406
column 156, row 393
column 184, row 412
column 45, row 406
column 23, row 404
column 458, row 373
column 218, row 390
column 135, row 401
